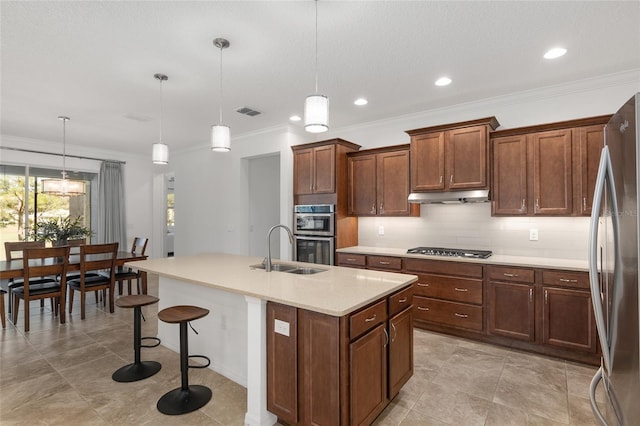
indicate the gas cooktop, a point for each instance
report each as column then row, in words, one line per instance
column 450, row 252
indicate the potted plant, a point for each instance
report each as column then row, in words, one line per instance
column 60, row 230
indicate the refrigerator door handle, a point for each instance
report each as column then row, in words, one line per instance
column 592, row 395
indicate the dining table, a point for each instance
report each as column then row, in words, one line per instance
column 14, row 268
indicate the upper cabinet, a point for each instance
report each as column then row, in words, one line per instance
column 547, row 170
column 451, row 157
column 315, row 170
column 379, row 182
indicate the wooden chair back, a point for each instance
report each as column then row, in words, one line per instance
column 139, row 245
column 41, row 262
column 13, row 249
column 98, row 257
column 75, row 244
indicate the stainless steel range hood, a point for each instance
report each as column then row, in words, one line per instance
column 456, row 197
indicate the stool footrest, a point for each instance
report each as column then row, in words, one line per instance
column 200, row 366
column 157, row 342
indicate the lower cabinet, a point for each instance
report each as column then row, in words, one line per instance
column 511, row 302
column 326, row 370
column 567, row 319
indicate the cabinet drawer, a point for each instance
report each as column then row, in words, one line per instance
column 448, row 313
column 516, row 275
column 566, row 279
column 465, row 290
column 385, row 263
column 367, row 318
column 443, row 267
column 400, row 300
column 349, row 259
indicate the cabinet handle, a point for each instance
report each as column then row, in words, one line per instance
column 524, row 205
column 404, row 299
column 310, row 187
column 537, row 204
column 451, row 179
column 584, row 203
column 564, row 280
column 546, row 297
column 387, row 336
column 530, row 295
column 395, row 332
column 423, row 284
column 373, row 318
column 373, row 208
column 461, row 315
column 381, row 262
column 460, row 289
column 441, row 178
column 350, row 259
column 381, row 207
column 422, row 308
column 510, row 275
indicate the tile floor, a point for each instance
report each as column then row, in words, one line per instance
column 61, row 374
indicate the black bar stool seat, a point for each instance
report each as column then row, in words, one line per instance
column 186, row 398
column 139, row 369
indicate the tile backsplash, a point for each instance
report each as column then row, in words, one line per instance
column 471, row 226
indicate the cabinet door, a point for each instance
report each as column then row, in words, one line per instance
column 362, row 185
column 511, row 310
column 393, row 183
column 510, row 175
column 302, row 171
column 552, row 177
column 400, row 350
column 427, row 162
column 324, row 169
column 466, row 154
column 589, row 145
column 567, row 319
column 368, row 390
column 282, row 361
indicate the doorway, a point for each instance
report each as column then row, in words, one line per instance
column 264, row 203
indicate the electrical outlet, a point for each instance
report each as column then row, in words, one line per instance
column 380, row 230
column 281, row 327
column 533, row 235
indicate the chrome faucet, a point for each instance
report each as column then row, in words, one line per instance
column 267, row 260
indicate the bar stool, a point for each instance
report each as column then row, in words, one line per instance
column 186, row 398
column 139, row 369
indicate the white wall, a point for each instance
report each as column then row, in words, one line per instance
column 264, row 203
column 137, row 176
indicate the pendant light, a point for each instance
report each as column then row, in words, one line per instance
column 220, row 134
column 160, row 151
column 64, row 186
column 316, row 107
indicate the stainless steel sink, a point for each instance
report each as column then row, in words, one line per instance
column 290, row 269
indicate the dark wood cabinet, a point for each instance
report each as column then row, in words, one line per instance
column 314, row 170
column 547, row 170
column 589, row 143
column 512, row 303
column 451, row 157
column 327, row 370
column 509, row 176
column 379, row 183
column 552, row 173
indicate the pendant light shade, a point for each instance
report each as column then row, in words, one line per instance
column 316, row 107
column 221, row 134
column 316, row 114
column 220, row 138
column 64, row 186
column 160, row 150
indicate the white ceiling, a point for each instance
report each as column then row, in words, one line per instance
column 94, row 61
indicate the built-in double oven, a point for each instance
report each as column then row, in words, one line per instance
column 314, row 233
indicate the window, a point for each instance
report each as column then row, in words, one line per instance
column 22, row 203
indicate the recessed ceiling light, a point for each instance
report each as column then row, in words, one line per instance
column 443, row 81
column 295, row 118
column 361, row 101
column 556, row 52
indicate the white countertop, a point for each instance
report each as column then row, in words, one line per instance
column 496, row 259
column 336, row 291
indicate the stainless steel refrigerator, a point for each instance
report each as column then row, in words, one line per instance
column 613, row 270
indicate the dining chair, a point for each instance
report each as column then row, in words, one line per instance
column 2, row 312
column 13, row 251
column 75, row 249
column 97, row 273
column 41, row 262
column 127, row 274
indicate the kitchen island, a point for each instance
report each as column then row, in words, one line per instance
column 234, row 334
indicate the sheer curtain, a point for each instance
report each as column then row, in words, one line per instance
column 112, row 221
